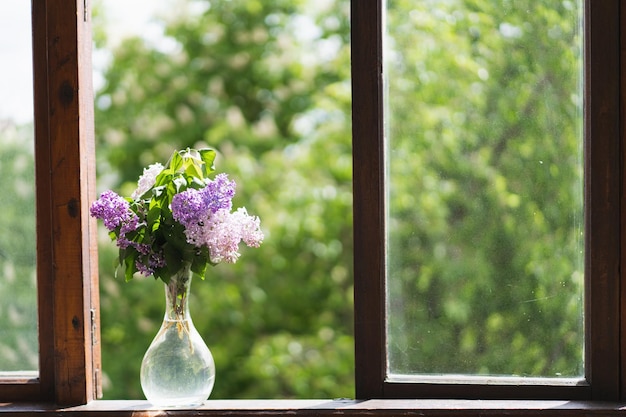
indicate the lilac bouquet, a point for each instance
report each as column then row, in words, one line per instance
column 177, row 216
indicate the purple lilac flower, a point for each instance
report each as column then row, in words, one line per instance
column 191, row 207
column 155, row 260
column 142, row 248
column 208, row 221
column 143, row 269
column 123, row 242
column 129, row 225
column 218, row 194
column 114, row 211
column 188, row 207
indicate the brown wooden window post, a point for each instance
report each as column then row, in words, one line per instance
column 368, row 190
column 65, row 175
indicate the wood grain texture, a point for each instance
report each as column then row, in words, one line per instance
column 43, row 201
column 322, row 408
column 602, row 199
column 622, row 144
column 368, row 192
column 70, row 120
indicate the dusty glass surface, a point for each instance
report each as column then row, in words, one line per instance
column 18, row 293
column 485, row 188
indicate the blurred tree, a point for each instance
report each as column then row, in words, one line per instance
column 486, row 190
column 484, row 153
column 267, row 84
column 18, row 296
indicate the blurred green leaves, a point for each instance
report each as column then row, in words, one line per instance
column 484, row 119
column 18, row 291
column 486, row 187
column 267, row 85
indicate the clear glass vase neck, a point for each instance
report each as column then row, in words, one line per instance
column 177, row 292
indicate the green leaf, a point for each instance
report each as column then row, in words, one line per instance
column 200, row 261
column 131, row 268
column 173, row 258
column 158, row 191
column 180, row 184
column 154, row 218
column 175, row 236
column 164, row 177
column 118, row 264
column 162, row 274
column 208, row 157
column 171, row 190
column 194, row 171
column 176, row 161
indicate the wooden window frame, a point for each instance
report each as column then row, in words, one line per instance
column 605, row 297
column 67, row 252
column 67, row 274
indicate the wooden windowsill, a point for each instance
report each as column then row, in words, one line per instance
column 233, row 408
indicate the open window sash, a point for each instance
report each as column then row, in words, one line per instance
column 67, row 276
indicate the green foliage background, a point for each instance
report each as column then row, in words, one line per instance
column 275, row 102
column 486, row 196
column 18, row 295
column 485, row 203
column 485, row 199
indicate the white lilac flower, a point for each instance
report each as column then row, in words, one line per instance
column 208, row 221
column 222, row 234
column 251, row 233
column 147, row 180
column 222, row 231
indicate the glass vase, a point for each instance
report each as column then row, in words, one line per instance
column 177, row 369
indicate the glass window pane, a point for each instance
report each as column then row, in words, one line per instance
column 18, row 295
column 485, row 201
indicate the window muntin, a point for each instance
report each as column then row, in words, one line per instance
column 485, row 197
